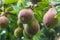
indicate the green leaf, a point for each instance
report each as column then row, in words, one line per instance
column 21, row 2
column 54, row 1
column 57, row 16
column 58, row 8
column 14, row 11
column 9, row 1
column 16, row 7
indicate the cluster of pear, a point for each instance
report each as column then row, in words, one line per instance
column 29, row 26
column 27, row 23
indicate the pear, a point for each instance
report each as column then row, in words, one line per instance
column 49, row 18
column 32, row 28
column 26, row 15
column 18, row 33
column 3, row 21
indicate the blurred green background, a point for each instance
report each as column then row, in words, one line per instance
column 14, row 6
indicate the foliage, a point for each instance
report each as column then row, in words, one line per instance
column 14, row 6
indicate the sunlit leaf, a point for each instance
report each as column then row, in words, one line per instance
column 9, row 1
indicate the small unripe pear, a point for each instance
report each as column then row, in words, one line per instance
column 25, row 15
column 49, row 18
column 3, row 21
column 18, row 32
column 32, row 28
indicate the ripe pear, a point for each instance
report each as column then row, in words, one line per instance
column 49, row 18
column 32, row 28
column 3, row 21
column 26, row 15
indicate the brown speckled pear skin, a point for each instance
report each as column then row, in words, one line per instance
column 26, row 15
column 49, row 18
